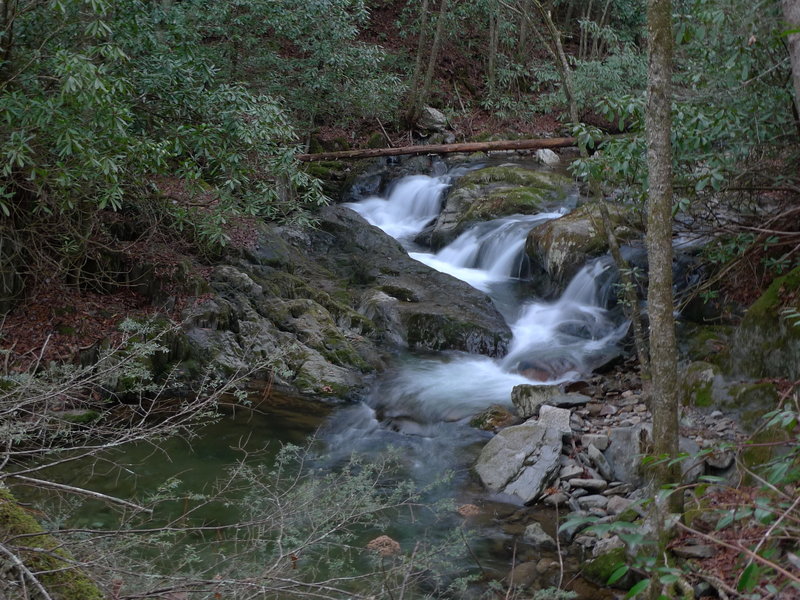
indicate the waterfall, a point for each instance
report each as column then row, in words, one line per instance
column 412, row 203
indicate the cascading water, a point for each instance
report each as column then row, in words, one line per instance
column 424, row 403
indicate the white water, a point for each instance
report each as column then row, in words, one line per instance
column 430, row 398
column 411, row 204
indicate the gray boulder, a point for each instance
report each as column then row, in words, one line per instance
column 521, row 460
column 431, row 119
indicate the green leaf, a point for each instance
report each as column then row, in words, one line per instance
column 618, row 574
column 749, row 578
column 638, row 588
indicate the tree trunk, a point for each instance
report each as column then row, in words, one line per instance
column 491, row 67
column 413, row 88
column 663, row 348
column 443, row 149
column 432, row 59
column 791, row 14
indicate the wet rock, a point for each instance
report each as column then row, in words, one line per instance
column 570, row 400
column 523, row 575
column 606, row 545
column 528, row 398
column 562, row 246
column 493, row 418
column 521, row 460
column 571, row 471
column 538, row 538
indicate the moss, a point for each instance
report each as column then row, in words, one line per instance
column 769, row 304
column 709, row 344
column 761, row 448
column 515, row 176
column 376, row 140
column 753, row 400
column 506, row 201
column 82, row 417
column 400, row 293
column 697, row 384
column 601, row 568
column 330, row 169
column 63, row 582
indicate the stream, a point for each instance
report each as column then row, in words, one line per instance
column 422, row 404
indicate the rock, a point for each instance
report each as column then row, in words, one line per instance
column 627, row 446
column 697, row 384
column 617, row 504
column 692, row 467
column 468, row 510
column 567, row 400
column 523, row 575
column 600, row 462
column 557, row 499
column 538, row 538
column 547, row 157
column 606, row 545
column 589, row 484
column 571, row 528
column 608, row 410
column 603, row 566
column 529, row 398
column 720, row 460
column 593, row 501
column 493, row 418
column 431, row 119
column 384, row 545
column 570, row 471
column 619, row 490
column 562, row 246
column 699, row 551
column 555, row 418
column 520, row 460
column 597, row 440
column 579, row 493
column 766, row 344
column 497, row 191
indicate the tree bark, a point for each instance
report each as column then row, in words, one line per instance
column 413, row 88
column 432, row 59
column 663, row 347
column 531, row 144
column 791, row 14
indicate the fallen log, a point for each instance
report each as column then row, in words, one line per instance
column 532, row 144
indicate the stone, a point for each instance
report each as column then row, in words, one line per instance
column 547, row 157
column 521, row 460
column 608, row 410
column 570, row 471
column 600, row 462
column 617, row 504
column 570, row 400
column 593, row 501
column 529, row 398
column 606, row 545
column 720, row 460
column 557, row 499
column 589, row 484
column 431, row 119
column 619, row 490
column 598, row 440
column 555, row 418
column 468, row 510
column 537, row 537
column 579, row 493
column 523, row 575
column 624, row 454
column 692, row 467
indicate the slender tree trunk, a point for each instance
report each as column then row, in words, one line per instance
column 791, row 14
column 416, row 76
column 433, row 58
column 491, row 67
column 663, row 348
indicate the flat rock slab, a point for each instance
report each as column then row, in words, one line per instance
column 521, row 460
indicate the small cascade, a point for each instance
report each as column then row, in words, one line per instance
column 412, row 203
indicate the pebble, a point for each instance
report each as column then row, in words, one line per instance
column 607, row 410
column 617, row 504
column 619, row 490
column 640, row 408
column 578, row 493
column 570, row 472
column 627, row 393
column 557, row 499
column 716, row 414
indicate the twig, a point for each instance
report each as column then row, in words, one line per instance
column 471, row 553
column 386, row 135
column 25, row 572
column 81, row 491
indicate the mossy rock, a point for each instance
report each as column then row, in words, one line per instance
column 697, row 384
column 600, row 569
column 562, row 246
column 709, row 343
column 513, row 175
column 762, row 447
column 61, row 580
column 766, row 343
column 752, row 401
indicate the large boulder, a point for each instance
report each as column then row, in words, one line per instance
column 521, row 460
column 562, row 246
column 494, row 192
column 767, row 342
